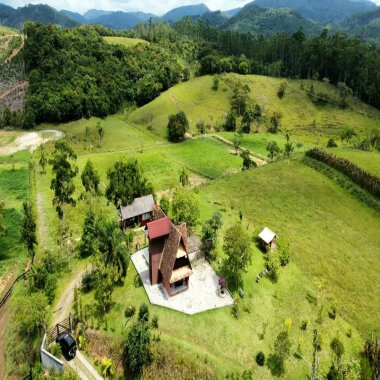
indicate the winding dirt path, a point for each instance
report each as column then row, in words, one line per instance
column 16, row 51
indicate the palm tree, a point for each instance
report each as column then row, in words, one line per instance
column 113, row 245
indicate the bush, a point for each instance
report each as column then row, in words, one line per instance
column 331, row 143
column 260, row 358
column 304, row 324
column 155, row 322
column 55, row 350
column 236, row 309
column 178, row 125
column 88, row 281
column 130, row 311
column 143, row 315
column 137, row 282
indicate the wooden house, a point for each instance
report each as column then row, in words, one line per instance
column 169, row 262
column 139, row 212
column 268, row 239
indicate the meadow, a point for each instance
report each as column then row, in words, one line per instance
column 333, row 237
column 125, row 41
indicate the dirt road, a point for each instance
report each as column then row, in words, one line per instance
column 29, row 140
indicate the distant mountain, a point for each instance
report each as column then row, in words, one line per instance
column 44, row 14
column 365, row 26
column 93, row 14
column 216, row 19
column 77, row 17
column 264, row 21
column 124, row 20
column 189, row 10
column 321, row 10
column 232, row 12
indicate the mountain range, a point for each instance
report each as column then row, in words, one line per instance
column 262, row 17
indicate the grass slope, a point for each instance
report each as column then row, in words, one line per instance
column 305, row 117
column 125, row 41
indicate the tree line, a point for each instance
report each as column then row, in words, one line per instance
column 365, row 180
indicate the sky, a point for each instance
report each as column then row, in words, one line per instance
column 150, row 6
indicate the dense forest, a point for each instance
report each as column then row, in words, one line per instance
column 74, row 73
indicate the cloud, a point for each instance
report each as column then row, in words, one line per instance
column 151, row 6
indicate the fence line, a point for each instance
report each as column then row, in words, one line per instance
column 9, row 292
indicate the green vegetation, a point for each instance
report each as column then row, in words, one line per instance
column 125, row 41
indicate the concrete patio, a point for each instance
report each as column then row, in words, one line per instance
column 202, row 294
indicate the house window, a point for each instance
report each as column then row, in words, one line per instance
column 146, row 216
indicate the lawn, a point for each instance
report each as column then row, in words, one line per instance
column 308, row 121
column 125, row 41
column 14, row 189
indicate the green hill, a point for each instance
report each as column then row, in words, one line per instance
column 264, row 21
column 306, row 117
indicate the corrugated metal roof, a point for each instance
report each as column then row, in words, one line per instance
column 158, row 228
column 139, row 206
column 267, row 235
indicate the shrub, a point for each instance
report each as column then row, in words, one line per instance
column 178, row 125
column 282, row 88
column 155, row 322
column 55, row 350
column 260, row 358
column 333, row 311
column 236, row 309
column 88, row 281
column 137, row 282
column 130, row 311
column 304, row 324
column 331, row 143
column 143, row 315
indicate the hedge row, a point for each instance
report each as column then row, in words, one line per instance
column 365, row 180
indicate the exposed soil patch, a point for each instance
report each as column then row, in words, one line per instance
column 30, row 141
column 14, row 97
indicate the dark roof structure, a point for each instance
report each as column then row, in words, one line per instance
column 139, row 206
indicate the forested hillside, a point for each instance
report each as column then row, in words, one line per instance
column 74, row 73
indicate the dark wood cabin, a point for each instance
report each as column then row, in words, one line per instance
column 169, row 262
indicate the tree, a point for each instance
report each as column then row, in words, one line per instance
column 65, row 171
column 100, row 130
column 248, row 163
column 331, row 143
column 209, row 235
column 137, row 352
column 282, row 345
column 165, row 204
column 2, row 227
column 237, row 142
column 178, row 125
column 239, row 99
column 31, row 313
column 275, row 122
column 347, row 134
column 289, row 149
column 126, row 182
column 185, row 207
column 237, row 247
column 184, row 178
column 88, row 245
column 282, row 88
column 344, row 94
column 337, row 347
column 90, row 179
column 43, row 160
column 113, row 246
column 273, row 150
column 201, row 127
column 28, row 229
column 230, row 123
column 215, row 82
column 104, row 283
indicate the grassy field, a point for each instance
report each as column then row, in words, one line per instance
column 14, row 189
column 5, row 31
column 305, row 213
column 306, row 119
column 125, row 41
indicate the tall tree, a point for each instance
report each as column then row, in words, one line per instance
column 43, row 160
column 90, row 179
column 126, row 182
column 113, row 246
column 28, row 229
column 184, row 178
column 237, row 247
column 248, row 163
column 178, row 125
column 185, row 207
column 64, row 170
column 88, row 244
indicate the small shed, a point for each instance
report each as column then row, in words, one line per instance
column 138, row 212
column 268, row 239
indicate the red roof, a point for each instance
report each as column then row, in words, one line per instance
column 158, row 228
